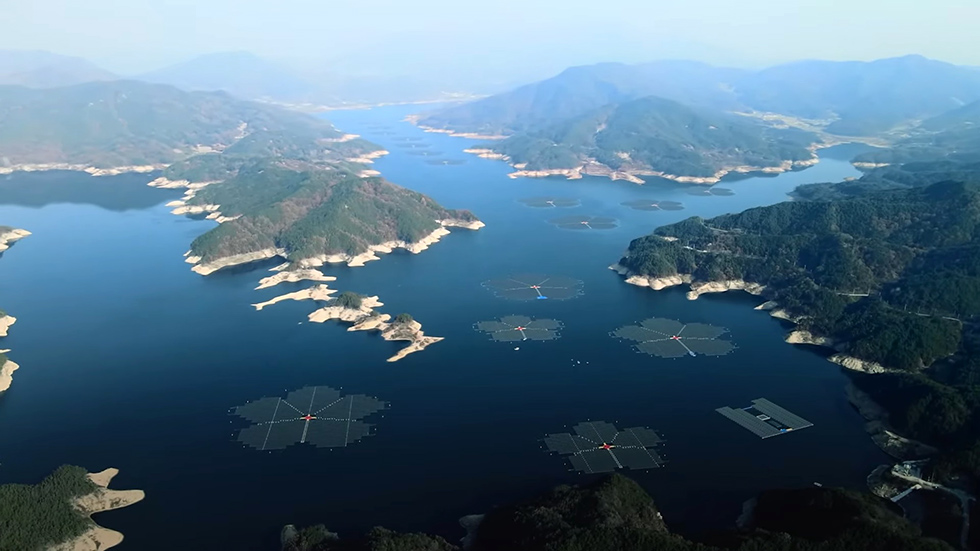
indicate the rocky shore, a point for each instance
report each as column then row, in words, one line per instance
column 94, row 171
column 9, row 236
column 102, row 499
column 414, row 119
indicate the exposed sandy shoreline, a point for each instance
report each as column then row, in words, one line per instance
column 94, row 171
column 9, row 236
column 366, row 319
column 5, row 322
column 591, row 167
column 881, row 432
column 210, row 267
column 98, row 538
column 293, row 276
column 414, row 119
column 368, row 158
column 317, row 292
column 7, row 374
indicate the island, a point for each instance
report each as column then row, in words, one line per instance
column 614, row 513
column 360, row 312
column 55, row 513
column 654, row 137
column 8, row 235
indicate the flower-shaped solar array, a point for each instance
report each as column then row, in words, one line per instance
column 535, row 287
column 599, row 447
column 315, row 415
column 668, row 338
column 584, row 222
column 520, row 328
column 550, row 202
column 445, row 161
column 653, row 204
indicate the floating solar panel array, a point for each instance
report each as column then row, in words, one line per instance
column 315, row 415
column 520, row 328
column 765, row 419
column 584, row 222
column 667, row 338
column 550, row 202
column 535, row 287
column 719, row 191
column 599, row 447
column 445, row 162
column 652, row 204
column 424, row 152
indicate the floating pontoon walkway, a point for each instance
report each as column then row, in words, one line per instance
column 771, row 420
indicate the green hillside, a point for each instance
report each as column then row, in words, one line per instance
column 107, row 124
column 310, row 211
column 580, row 90
column 855, row 98
column 35, row 517
column 657, row 134
column 615, row 514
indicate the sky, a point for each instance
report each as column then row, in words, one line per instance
column 504, row 39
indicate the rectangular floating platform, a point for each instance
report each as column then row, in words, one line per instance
column 772, row 420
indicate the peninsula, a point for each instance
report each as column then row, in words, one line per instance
column 9, row 235
column 55, row 514
column 654, row 137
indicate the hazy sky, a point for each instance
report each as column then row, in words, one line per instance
column 130, row 36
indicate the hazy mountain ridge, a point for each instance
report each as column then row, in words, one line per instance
column 40, row 69
column 854, row 98
column 125, row 123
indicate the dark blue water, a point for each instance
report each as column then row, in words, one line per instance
column 131, row 360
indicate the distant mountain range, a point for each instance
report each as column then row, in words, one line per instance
column 125, row 123
column 38, row 69
column 853, row 98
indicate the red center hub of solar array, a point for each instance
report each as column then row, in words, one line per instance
column 308, row 417
column 676, row 338
column 606, row 446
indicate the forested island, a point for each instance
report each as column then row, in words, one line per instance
column 655, row 137
column 54, row 514
column 886, row 270
column 615, row 514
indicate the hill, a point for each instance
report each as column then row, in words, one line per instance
column 615, row 514
column 580, row 90
column 312, row 215
column 852, row 98
column 126, row 123
column 661, row 137
column 239, row 73
column 40, row 69
column 865, row 98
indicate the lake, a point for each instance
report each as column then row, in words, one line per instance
column 130, row 360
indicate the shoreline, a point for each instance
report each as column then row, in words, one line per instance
column 414, row 120
column 352, row 261
column 93, row 171
column 284, row 275
column 97, row 538
column 6, row 321
column 317, row 293
column 7, row 374
column 591, row 167
column 876, row 418
column 11, row 236
column 366, row 318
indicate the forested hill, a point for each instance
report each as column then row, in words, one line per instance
column 848, row 98
column 126, row 123
column 310, row 211
column 615, row 514
column 914, row 251
column 659, row 135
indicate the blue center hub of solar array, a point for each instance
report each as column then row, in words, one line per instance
column 541, row 297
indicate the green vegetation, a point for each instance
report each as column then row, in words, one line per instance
column 615, row 514
column 350, row 300
column 107, row 124
column 33, row 517
column 309, row 211
column 853, row 98
column 404, row 318
column 658, row 134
